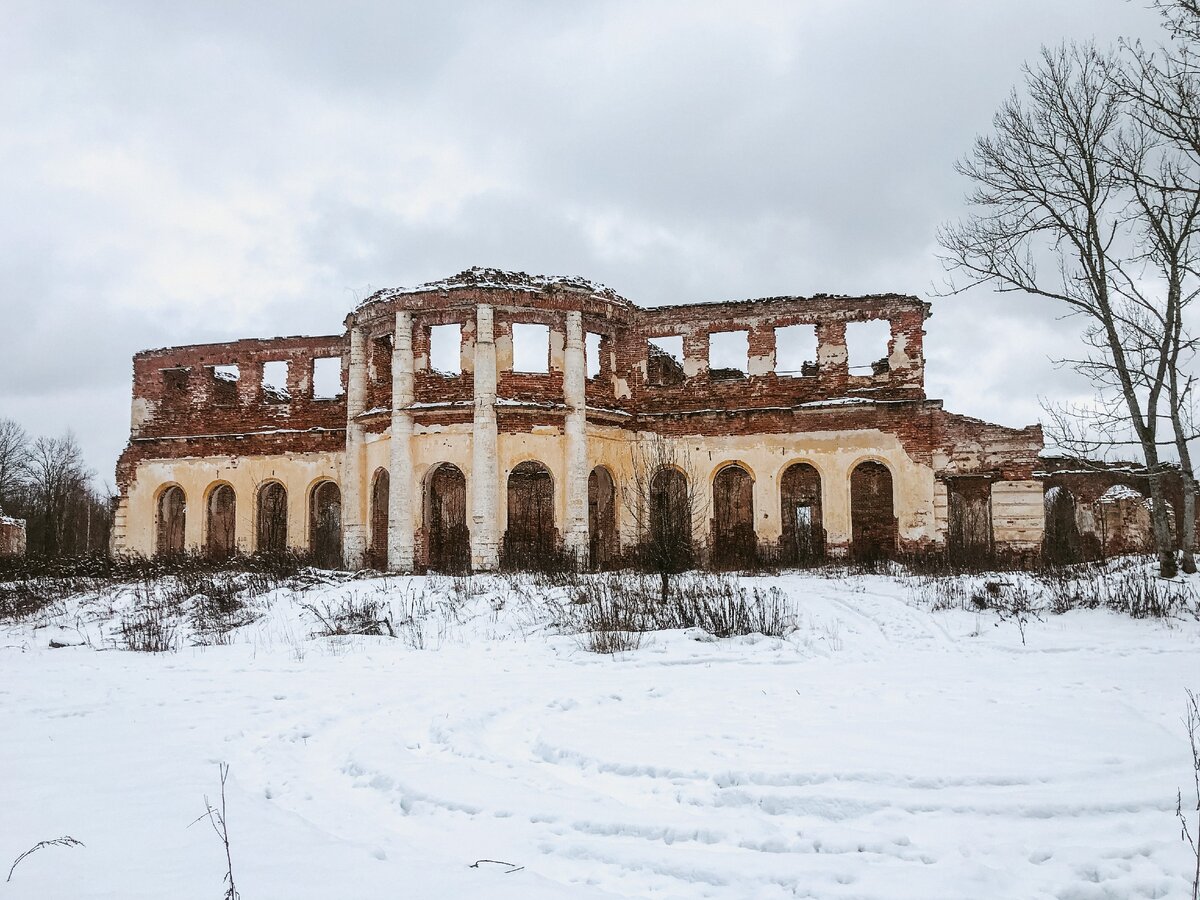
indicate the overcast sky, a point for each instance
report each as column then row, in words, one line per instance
column 175, row 173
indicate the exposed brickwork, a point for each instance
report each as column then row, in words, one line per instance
column 1110, row 506
column 12, row 536
column 186, row 405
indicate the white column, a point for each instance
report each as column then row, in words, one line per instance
column 354, row 529
column 402, row 489
column 485, row 466
column 575, row 531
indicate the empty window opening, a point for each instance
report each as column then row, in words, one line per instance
column 381, row 360
column 445, row 349
column 272, row 527
column 1062, row 542
column 222, row 511
column 448, row 539
column 225, row 381
column 172, row 512
column 969, row 513
column 591, row 351
column 728, row 354
column 378, row 552
column 327, row 378
column 664, row 363
column 175, row 383
column 529, row 541
column 735, row 544
column 867, row 346
column 602, row 519
column 531, row 348
column 274, row 382
column 872, row 511
column 803, row 534
column 796, row 350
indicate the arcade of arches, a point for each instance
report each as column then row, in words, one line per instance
column 494, row 418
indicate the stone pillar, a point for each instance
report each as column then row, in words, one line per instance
column 835, row 507
column 403, row 490
column 485, row 465
column 575, row 530
column 354, row 528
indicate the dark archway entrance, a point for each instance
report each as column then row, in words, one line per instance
column 325, row 525
column 735, row 544
column 530, row 539
column 272, row 513
column 872, row 511
column 602, row 519
column 670, row 532
column 446, row 520
column 803, row 525
column 172, row 515
column 220, row 525
column 380, row 491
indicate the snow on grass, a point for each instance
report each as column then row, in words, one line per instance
column 883, row 748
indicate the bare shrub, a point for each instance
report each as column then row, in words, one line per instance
column 150, row 627
column 65, row 841
column 615, row 609
column 353, row 615
column 217, row 819
column 1192, row 722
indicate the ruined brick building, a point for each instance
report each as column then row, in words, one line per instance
column 12, row 536
column 491, row 412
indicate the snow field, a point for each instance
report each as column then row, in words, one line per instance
column 880, row 751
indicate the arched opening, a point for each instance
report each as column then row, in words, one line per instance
column 172, row 512
column 872, row 511
column 734, row 543
column 602, row 519
column 219, row 525
column 969, row 519
column 325, row 525
column 1061, row 544
column 669, row 545
column 530, row 539
column 803, row 526
column 446, row 531
column 380, row 490
column 272, row 528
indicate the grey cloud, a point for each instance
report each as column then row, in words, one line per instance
column 206, row 171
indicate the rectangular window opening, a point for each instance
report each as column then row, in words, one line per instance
column 531, row 348
column 175, row 382
column 591, row 352
column 796, row 350
column 274, row 382
column 664, row 363
column 867, row 346
column 381, row 359
column 445, row 349
column 327, row 378
column 728, row 354
column 225, row 380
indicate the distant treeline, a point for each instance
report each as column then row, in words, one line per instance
column 44, row 481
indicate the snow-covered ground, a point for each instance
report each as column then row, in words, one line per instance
column 882, row 750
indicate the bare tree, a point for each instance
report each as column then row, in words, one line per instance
column 56, row 476
column 1051, row 186
column 14, row 458
column 1162, row 88
column 664, row 493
